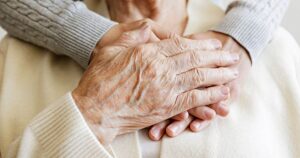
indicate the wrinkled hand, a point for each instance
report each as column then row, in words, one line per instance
column 200, row 117
column 231, row 45
column 143, row 84
column 116, row 31
column 171, row 14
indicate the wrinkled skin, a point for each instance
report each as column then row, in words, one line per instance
column 198, row 120
column 230, row 45
column 200, row 117
column 170, row 14
column 116, row 31
column 139, row 84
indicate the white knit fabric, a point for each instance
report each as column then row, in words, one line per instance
column 264, row 121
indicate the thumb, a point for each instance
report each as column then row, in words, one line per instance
column 135, row 37
column 199, row 36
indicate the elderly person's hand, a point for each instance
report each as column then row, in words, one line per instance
column 157, row 33
column 143, row 84
column 116, row 31
column 171, row 14
column 200, row 117
column 231, row 45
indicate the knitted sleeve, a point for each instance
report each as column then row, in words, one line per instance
column 62, row 26
column 252, row 22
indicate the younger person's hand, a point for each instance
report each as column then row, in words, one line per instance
column 171, row 14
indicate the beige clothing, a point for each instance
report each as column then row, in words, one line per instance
column 264, row 121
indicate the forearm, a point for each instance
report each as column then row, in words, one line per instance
column 252, row 23
column 62, row 26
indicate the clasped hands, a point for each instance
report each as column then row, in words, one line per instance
column 141, row 75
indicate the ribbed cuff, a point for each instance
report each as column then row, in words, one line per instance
column 247, row 28
column 81, row 32
column 62, row 132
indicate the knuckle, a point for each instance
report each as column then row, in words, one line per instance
column 206, row 44
column 213, row 44
column 139, row 54
column 139, row 49
column 172, row 35
column 127, row 36
column 194, row 57
column 221, row 60
column 197, row 58
column 193, row 98
column 180, row 81
column 176, row 40
column 211, row 96
column 108, row 49
column 201, row 76
column 222, row 72
column 224, row 58
column 148, row 21
column 179, row 43
column 151, row 70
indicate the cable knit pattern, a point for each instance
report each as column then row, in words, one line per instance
column 62, row 26
column 253, row 22
column 67, row 27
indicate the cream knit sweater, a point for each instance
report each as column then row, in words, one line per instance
column 263, row 124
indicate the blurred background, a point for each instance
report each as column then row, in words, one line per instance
column 292, row 19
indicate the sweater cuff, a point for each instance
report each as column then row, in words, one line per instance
column 246, row 28
column 61, row 131
column 81, row 32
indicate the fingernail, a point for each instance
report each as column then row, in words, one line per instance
column 208, row 114
column 225, row 90
column 223, row 109
column 197, row 126
column 155, row 133
column 186, row 115
column 174, row 130
column 235, row 57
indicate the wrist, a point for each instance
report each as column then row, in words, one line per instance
column 94, row 118
column 111, row 35
column 108, row 38
column 231, row 44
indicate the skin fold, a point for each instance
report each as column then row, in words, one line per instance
column 198, row 119
column 143, row 83
column 172, row 15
